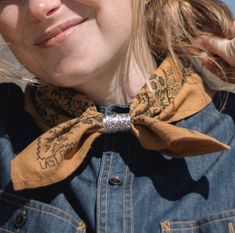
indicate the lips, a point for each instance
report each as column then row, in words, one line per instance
column 58, row 33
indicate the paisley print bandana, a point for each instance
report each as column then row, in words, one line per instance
column 71, row 124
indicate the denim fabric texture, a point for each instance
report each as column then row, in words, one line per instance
column 120, row 187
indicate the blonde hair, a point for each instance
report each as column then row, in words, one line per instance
column 15, row 72
column 163, row 27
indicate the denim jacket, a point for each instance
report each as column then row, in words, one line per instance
column 120, row 187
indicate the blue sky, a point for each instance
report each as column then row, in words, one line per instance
column 231, row 4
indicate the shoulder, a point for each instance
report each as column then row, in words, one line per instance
column 11, row 98
column 17, row 122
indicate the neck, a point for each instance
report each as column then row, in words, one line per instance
column 117, row 85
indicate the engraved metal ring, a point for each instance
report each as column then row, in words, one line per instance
column 117, row 123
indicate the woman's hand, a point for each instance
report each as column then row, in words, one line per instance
column 224, row 48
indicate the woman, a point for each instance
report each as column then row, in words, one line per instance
column 92, row 151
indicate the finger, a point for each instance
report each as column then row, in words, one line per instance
column 216, row 69
column 233, row 28
column 230, row 50
column 224, row 48
column 211, row 66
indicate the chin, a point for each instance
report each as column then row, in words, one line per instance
column 70, row 78
column 74, row 72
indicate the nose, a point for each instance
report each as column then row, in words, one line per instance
column 40, row 10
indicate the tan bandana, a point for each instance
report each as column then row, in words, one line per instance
column 72, row 123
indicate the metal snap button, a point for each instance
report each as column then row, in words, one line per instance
column 115, row 181
column 20, row 219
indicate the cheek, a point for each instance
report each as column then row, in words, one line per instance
column 9, row 21
column 91, row 3
column 12, row 24
column 117, row 17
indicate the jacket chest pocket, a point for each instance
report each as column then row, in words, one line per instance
column 29, row 216
column 222, row 222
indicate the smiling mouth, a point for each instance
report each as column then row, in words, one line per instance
column 59, row 33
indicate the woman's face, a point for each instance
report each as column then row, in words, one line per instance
column 67, row 42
